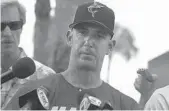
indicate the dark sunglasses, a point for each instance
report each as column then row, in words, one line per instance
column 15, row 25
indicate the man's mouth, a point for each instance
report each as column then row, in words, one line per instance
column 6, row 42
column 87, row 54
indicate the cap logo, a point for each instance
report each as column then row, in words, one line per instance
column 94, row 8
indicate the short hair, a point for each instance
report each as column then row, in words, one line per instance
column 19, row 6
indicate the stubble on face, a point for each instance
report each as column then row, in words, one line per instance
column 88, row 57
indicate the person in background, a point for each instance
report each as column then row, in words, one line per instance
column 13, row 17
column 159, row 100
column 144, row 84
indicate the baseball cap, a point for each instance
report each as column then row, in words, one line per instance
column 95, row 12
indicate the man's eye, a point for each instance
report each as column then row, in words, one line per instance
column 83, row 31
column 100, row 35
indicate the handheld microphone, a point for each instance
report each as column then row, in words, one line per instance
column 22, row 69
column 107, row 106
column 35, row 100
column 90, row 103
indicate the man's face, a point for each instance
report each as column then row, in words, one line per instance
column 11, row 27
column 90, row 43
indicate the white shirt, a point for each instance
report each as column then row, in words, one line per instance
column 159, row 100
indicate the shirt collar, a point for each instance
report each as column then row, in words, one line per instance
column 22, row 55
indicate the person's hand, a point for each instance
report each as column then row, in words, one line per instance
column 145, row 82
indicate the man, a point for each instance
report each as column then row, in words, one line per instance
column 90, row 38
column 13, row 18
column 159, row 100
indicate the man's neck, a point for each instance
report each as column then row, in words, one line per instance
column 82, row 79
column 8, row 59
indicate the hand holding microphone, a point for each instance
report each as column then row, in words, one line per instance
column 35, row 100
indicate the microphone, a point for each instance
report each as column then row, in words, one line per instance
column 35, row 100
column 107, row 106
column 22, row 69
column 90, row 103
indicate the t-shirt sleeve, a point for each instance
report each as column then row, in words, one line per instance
column 156, row 102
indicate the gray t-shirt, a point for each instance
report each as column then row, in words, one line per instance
column 64, row 96
column 159, row 100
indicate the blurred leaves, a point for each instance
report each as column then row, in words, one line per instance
column 50, row 46
column 124, row 42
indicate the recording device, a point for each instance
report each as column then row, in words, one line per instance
column 107, row 106
column 92, row 103
column 35, row 100
column 22, row 69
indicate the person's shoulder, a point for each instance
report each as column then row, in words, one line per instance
column 42, row 70
column 48, row 82
column 162, row 91
column 126, row 102
column 117, row 92
column 159, row 100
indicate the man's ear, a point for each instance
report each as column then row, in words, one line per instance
column 69, row 37
column 111, row 46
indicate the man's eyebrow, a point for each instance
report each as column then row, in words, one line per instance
column 102, row 32
column 84, row 27
column 80, row 27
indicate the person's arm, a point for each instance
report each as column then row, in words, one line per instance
column 143, row 99
column 144, row 84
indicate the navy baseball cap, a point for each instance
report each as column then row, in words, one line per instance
column 95, row 12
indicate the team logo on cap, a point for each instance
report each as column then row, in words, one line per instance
column 94, row 8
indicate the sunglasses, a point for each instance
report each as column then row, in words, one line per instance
column 14, row 25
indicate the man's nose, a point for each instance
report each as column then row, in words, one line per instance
column 6, row 31
column 88, row 41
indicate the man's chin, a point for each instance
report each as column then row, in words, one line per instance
column 86, row 64
column 7, row 49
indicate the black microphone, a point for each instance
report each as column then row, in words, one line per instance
column 35, row 100
column 90, row 103
column 22, row 69
column 107, row 106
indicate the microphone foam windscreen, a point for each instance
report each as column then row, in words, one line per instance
column 24, row 68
